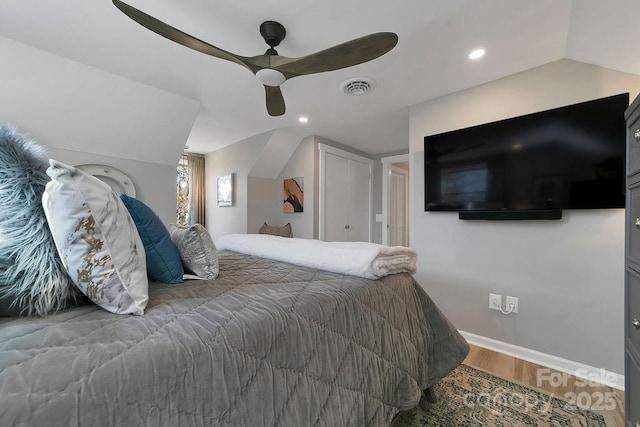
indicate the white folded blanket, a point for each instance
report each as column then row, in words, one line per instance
column 368, row 260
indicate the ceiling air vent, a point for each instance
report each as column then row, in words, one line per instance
column 358, row 86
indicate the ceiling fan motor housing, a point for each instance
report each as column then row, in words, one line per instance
column 273, row 33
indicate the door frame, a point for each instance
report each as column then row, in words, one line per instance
column 386, row 171
column 324, row 149
column 405, row 177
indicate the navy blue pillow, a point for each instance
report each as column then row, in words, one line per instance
column 163, row 259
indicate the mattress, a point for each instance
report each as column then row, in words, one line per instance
column 267, row 343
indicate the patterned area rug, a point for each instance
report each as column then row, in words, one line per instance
column 469, row 397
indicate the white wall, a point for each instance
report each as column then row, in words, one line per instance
column 567, row 274
column 85, row 115
column 72, row 106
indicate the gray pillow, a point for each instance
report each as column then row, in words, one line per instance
column 284, row 231
column 197, row 250
column 33, row 280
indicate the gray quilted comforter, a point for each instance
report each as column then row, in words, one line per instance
column 267, row 343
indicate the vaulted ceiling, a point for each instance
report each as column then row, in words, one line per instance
column 429, row 61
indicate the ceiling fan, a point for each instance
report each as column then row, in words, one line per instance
column 271, row 69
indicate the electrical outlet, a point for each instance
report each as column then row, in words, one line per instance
column 495, row 302
column 514, row 301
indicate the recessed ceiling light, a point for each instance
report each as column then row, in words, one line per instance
column 476, row 54
column 303, row 119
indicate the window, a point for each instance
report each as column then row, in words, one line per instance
column 182, row 192
column 191, row 191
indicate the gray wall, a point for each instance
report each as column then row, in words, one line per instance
column 262, row 203
column 155, row 183
column 301, row 163
column 238, row 159
column 568, row 274
column 260, row 199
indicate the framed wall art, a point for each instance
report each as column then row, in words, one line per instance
column 225, row 190
column 293, row 195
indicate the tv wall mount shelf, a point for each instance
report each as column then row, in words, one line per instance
column 550, row 214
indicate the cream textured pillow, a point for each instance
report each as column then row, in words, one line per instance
column 96, row 239
column 197, row 250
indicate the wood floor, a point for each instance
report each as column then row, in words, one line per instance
column 607, row 401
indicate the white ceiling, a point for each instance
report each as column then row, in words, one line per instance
column 429, row 61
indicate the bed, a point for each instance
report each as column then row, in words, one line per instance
column 340, row 336
column 266, row 343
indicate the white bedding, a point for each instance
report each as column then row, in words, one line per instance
column 362, row 259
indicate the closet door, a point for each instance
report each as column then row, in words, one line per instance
column 359, row 202
column 345, row 195
column 336, row 187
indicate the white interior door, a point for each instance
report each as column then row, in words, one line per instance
column 359, row 201
column 397, row 207
column 399, row 162
column 345, row 189
column 336, row 181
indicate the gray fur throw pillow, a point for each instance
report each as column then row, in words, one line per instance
column 33, row 280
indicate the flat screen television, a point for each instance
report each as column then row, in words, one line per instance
column 571, row 157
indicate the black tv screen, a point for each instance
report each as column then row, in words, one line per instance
column 567, row 158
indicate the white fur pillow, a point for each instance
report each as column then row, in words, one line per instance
column 97, row 239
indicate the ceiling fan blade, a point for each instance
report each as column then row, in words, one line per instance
column 178, row 36
column 275, row 100
column 344, row 55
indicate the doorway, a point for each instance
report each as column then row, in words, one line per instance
column 395, row 200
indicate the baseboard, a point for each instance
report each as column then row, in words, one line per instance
column 577, row 369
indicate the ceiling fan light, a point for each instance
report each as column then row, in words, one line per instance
column 270, row 77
